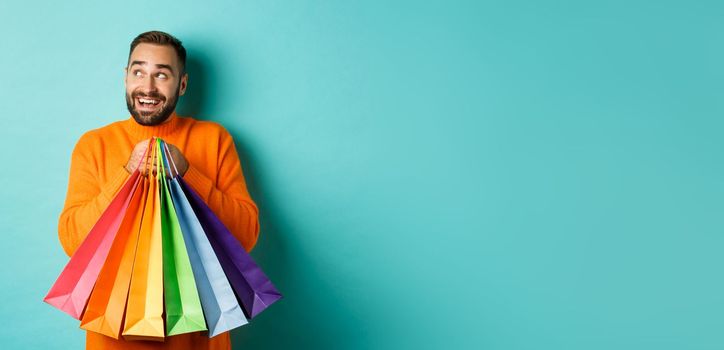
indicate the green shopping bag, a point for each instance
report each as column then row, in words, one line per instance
column 183, row 306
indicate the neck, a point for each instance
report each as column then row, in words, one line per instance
column 142, row 132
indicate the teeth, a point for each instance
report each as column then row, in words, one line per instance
column 143, row 100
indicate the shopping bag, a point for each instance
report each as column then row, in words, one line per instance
column 221, row 308
column 71, row 290
column 159, row 263
column 250, row 283
column 144, row 308
column 183, row 306
column 107, row 303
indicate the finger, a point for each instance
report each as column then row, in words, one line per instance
column 142, row 144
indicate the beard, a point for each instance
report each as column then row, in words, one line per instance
column 156, row 117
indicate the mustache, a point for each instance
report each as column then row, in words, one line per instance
column 151, row 95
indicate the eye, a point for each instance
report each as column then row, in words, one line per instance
column 161, row 75
column 137, row 73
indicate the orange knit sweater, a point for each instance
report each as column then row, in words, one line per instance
column 97, row 172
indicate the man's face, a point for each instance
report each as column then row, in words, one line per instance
column 153, row 83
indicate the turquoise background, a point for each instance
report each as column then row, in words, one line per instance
column 430, row 175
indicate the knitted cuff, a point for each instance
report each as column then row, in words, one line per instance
column 202, row 184
column 109, row 189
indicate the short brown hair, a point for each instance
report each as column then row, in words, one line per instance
column 161, row 38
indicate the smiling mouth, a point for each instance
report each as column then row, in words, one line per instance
column 148, row 103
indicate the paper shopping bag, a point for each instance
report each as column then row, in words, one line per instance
column 183, row 306
column 71, row 290
column 221, row 308
column 145, row 296
column 250, row 283
column 107, row 303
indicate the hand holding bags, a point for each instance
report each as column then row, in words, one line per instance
column 159, row 263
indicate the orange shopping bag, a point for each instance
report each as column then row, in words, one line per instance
column 144, row 308
column 107, row 303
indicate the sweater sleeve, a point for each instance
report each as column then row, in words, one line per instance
column 86, row 197
column 228, row 198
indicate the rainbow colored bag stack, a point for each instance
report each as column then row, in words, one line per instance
column 159, row 262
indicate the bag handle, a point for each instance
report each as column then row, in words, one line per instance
column 160, row 169
column 147, row 155
column 167, row 157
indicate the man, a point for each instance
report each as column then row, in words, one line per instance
column 204, row 153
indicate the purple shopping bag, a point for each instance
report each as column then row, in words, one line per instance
column 252, row 286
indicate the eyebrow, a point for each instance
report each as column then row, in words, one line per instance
column 157, row 65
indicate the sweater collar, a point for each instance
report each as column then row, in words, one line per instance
column 143, row 132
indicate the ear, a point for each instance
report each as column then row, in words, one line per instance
column 184, row 82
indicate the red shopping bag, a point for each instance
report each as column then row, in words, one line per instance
column 74, row 285
column 71, row 290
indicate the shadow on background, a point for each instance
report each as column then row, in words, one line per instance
column 192, row 102
column 309, row 312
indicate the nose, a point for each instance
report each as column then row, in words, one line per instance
column 149, row 85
